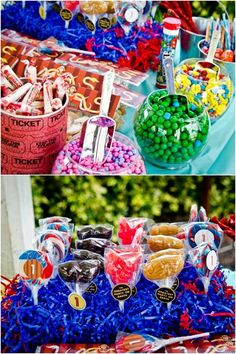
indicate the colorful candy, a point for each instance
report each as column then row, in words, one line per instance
column 128, row 228
column 79, row 271
column 122, row 267
column 168, row 133
column 123, row 158
column 36, row 270
column 203, row 89
column 162, row 242
column 205, row 260
column 165, row 229
column 201, row 232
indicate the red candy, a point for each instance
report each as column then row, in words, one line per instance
column 122, row 265
column 128, row 228
column 227, row 55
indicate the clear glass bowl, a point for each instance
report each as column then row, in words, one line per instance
column 215, row 94
column 67, row 161
column 168, row 133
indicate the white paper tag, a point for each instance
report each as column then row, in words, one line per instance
column 211, row 260
column 204, row 236
column 131, row 14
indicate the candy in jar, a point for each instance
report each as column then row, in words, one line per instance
column 122, row 159
column 169, row 132
column 214, row 93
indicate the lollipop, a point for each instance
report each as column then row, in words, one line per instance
column 96, row 245
column 127, row 229
column 82, row 255
column 122, row 267
column 95, row 231
column 53, row 242
column 68, row 10
column 78, row 275
column 136, row 342
column 205, row 260
column 204, row 232
column 164, row 265
column 36, row 269
column 52, row 219
column 197, row 215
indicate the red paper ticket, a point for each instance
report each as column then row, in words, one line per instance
column 127, row 75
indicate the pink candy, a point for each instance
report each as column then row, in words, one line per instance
column 122, row 159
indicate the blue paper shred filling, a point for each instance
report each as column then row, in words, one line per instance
column 26, row 326
column 27, row 21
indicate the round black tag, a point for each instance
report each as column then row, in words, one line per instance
column 66, row 14
column 92, row 288
column 134, row 291
column 89, row 24
column 175, row 284
column 121, row 292
column 165, row 295
column 56, row 8
column 80, row 17
column 104, row 23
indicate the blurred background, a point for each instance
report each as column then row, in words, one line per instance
column 91, row 200
column 106, row 199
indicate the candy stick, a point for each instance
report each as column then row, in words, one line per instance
column 47, row 86
column 56, row 104
column 9, row 74
column 222, row 37
column 31, row 74
column 47, row 100
column 16, row 95
column 33, row 93
column 227, row 35
column 208, row 30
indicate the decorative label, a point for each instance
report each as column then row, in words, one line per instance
column 131, row 14
column 165, row 295
column 204, row 236
column 134, row 291
column 90, row 25
column 175, row 285
column 104, row 23
column 80, row 17
column 33, row 268
column 42, row 12
column 211, row 260
column 121, row 292
column 92, row 288
column 66, row 14
column 76, row 301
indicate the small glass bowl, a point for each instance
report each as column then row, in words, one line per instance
column 67, row 161
column 215, row 94
column 170, row 137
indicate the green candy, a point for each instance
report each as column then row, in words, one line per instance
column 172, row 140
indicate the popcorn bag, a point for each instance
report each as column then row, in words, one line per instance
column 30, row 144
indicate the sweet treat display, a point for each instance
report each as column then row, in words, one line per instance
column 96, row 245
column 214, row 93
column 194, row 289
column 94, row 231
column 205, row 260
column 169, row 132
column 122, row 267
column 123, row 158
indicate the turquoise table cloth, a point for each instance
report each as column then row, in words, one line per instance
column 217, row 158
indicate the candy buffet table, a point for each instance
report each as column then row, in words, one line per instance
column 219, row 155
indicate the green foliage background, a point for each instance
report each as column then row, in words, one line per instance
column 212, row 8
column 105, row 199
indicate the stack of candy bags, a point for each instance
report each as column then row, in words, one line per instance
column 161, row 284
